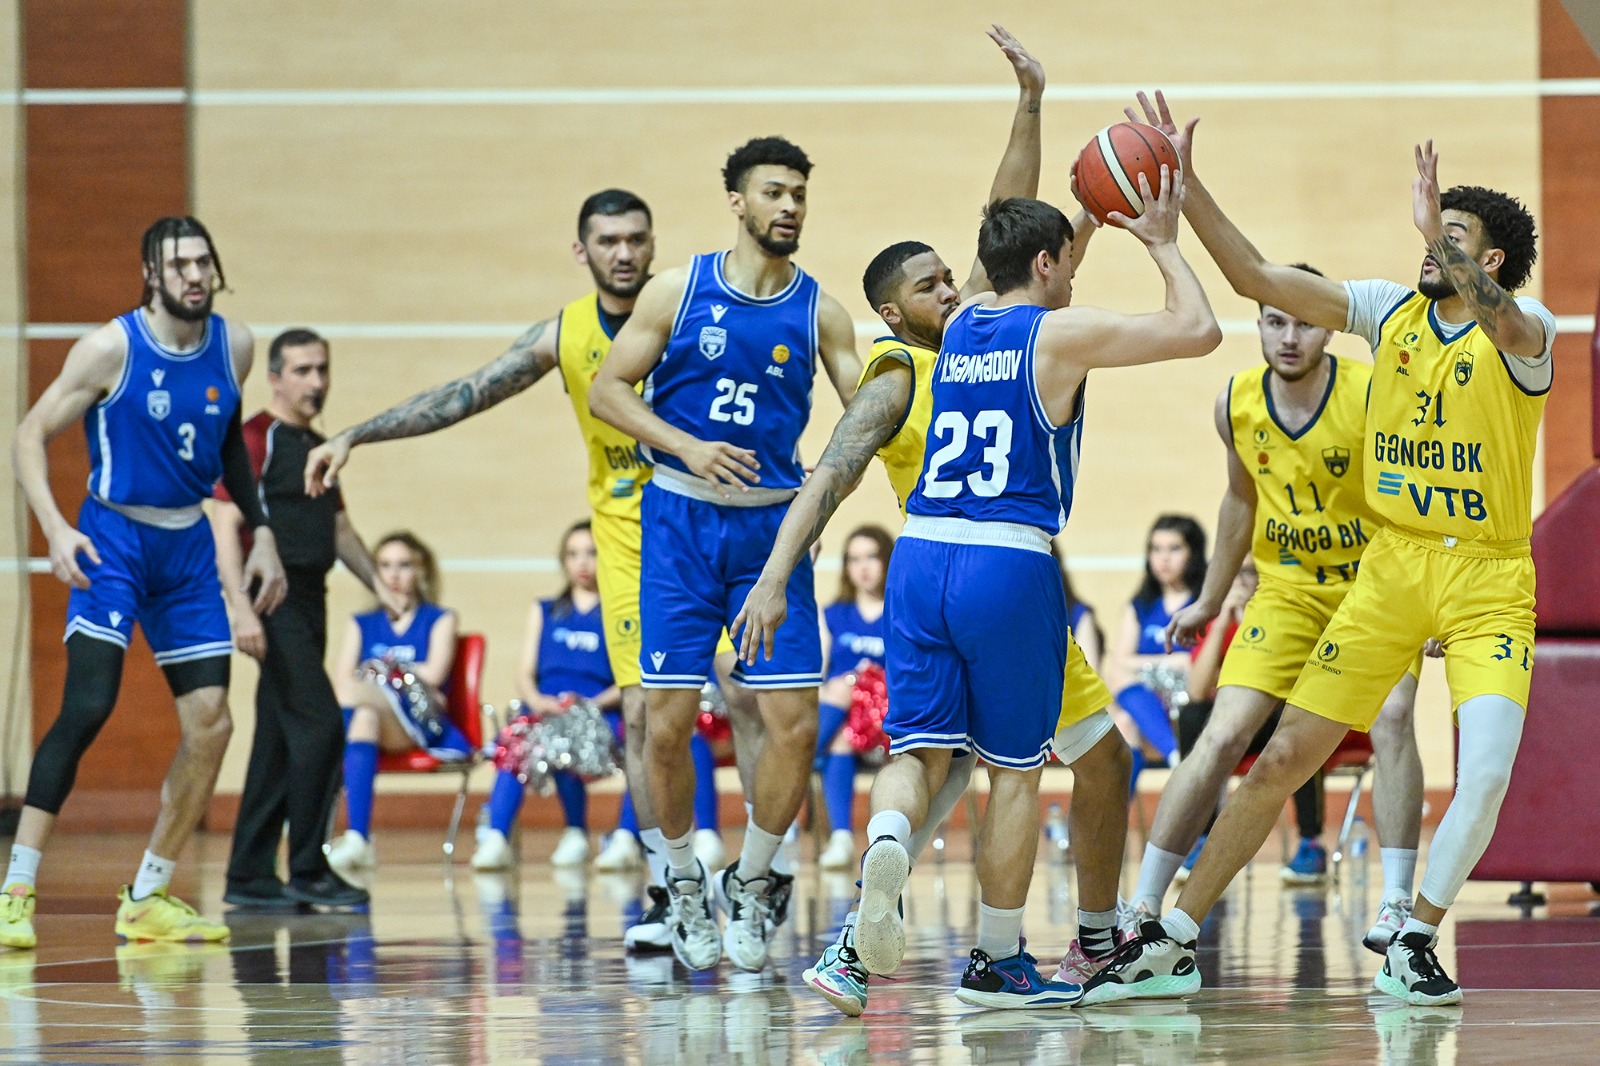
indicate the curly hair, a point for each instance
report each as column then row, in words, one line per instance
column 1507, row 223
column 763, row 151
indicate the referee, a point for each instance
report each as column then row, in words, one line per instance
column 299, row 738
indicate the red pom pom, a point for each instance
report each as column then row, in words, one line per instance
column 869, row 703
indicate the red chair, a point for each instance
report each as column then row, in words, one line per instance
column 466, row 709
column 1352, row 758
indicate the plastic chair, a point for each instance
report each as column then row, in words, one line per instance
column 465, row 708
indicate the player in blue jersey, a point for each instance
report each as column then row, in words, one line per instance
column 157, row 390
column 727, row 348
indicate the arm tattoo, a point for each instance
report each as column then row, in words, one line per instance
column 868, row 423
column 1490, row 304
column 447, row 404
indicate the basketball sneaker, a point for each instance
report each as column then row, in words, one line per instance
column 572, row 849
column 1151, row 966
column 839, row 977
column 1308, row 867
column 621, row 853
column 880, row 930
column 652, row 931
column 1411, row 972
column 162, row 917
column 782, row 892
column 1131, row 918
column 693, row 923
column 840, row 854
column 1012, row 984
column 493, row 852
column 1077, row 967
column 1391, row 916
column 16, row 917
column 748, row 905
column 352, row 857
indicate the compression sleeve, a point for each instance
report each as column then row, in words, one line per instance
column 238, row 477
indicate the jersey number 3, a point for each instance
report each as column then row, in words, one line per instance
column 742, row 398
column 186, row 435
column 986, row 426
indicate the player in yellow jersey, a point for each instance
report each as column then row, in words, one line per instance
column 1295, row 502
column 1460, row 373
column 617, row 243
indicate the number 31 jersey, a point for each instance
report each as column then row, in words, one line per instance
column 738, row 368
column 993, row 455
column 1312, row 517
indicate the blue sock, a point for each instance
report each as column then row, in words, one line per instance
column 1151, row 716
column 830, row 717
column 574, row 799
column 1133, row 778
column 839, row 789
column 360, row 771
column 705, row 784
column 628, row 819
column 505, row 800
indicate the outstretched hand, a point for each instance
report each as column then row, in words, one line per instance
column 1030, row 72
column 1425, row 193
column 324, row 463
column 1189, row 625
column 1158, row 224
column 1160, row 116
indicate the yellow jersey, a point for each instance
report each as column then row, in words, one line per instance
column 617, row 469
column 1452, row 431
column 902, row 454
column 1312, row 517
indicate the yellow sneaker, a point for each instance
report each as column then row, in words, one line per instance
column 16, row 917
column 162, row 917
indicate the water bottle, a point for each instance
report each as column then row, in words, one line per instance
column 482, row 829
column 1055, row 831
column 1360, row 841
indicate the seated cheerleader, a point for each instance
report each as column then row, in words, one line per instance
column 853, row 634
column 383, row 717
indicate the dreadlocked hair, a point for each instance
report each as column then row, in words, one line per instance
column 171, row 228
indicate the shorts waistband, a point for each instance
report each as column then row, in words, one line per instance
column 698, row 488
column 1472, row 549
column 966, row 531
column 159, row 517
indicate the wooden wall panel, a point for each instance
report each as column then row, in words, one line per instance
column 104, row 44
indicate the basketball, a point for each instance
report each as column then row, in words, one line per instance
column 1109, row 166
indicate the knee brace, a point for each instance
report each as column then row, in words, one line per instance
column 94, row 673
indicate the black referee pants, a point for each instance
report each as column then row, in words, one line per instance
column 298, row 747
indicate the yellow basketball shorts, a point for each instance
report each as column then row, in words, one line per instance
column 619, row 546
column 1082, row 691
column 1475, row 596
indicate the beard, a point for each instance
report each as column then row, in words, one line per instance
column 182, row 311
column 622, row 291
column 770, row 244
column 1436, row 288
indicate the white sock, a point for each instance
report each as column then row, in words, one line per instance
column 1414, row 926
column 1181, row 927
column 889, row 824
column 655, row 854
column 999, row 931
column 1399, row 872
column 24, row 868
column 680, row 857
column 755, row 856
column 783, row 861
column 1155, row 876
column 154, row 873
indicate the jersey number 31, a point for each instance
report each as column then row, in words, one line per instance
column 987, row 426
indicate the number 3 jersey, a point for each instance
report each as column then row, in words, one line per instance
column 1312, row 516
column 738, row 368
column 156, row 440
column 993, row 455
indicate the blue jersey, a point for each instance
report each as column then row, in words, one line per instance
column 854, row 638
column 993, row 455
column 379, row 639
column 1153, row 617
column 738, row 368
column 156, row 440
column 572, row 652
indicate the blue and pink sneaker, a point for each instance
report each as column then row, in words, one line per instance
column 1012, row 984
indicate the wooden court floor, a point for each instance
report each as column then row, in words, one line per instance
column 530, row 969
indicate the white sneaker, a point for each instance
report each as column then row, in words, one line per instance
column 494, row 852
column 572, row 849
column 840, row 854
column 622, row 852
column 693, row 924
column 1391, row 916
column 709, row 850
column 880, row 932
column 351, row 856
column 748, row 905
column 1411, row 972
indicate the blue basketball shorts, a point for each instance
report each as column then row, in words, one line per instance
column 699, row 562
column 164, row 579
column 977, row 644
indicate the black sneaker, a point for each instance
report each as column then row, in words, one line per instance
column 326, row 891
column 780, row 894
column 1151, row 966
column 1411, row 972
column 651, row 932
column 264, row 895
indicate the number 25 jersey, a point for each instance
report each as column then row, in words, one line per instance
column 993, row 455
column 738, row 368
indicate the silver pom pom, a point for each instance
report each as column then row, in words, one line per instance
column 1170, row 683
column 578, row 740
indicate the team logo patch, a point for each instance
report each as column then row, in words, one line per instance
column 1253, row 635
column 658, row 657
column 1337, row 460
column 159, row 403
column 1411, row 338
column 1405, row 357
column 627, row 627
column 1328, row 651
column 1261, row 438
column 780, row 353
column 1262, row 458
column 594, row 355
column 713, row 341
column 212, row 395
column 1463, row 368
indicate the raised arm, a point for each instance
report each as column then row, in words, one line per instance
column 1304, row 295
column 614, row 396
column 530, row 357
column 836, row 343
column 874, row 415
column 1018, row 174
column 1236, row 520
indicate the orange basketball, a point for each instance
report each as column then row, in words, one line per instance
column 1109, row 166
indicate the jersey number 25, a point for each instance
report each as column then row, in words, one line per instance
column 742, row 398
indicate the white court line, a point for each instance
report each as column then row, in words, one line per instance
column 390, row 331
column 804, row 94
